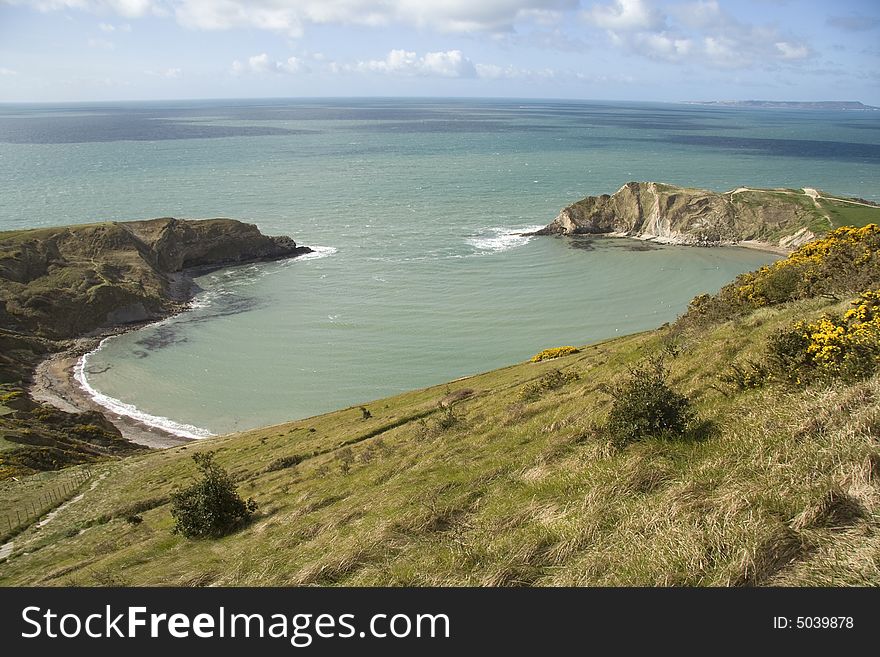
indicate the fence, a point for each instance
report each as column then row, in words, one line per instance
column 35, row 504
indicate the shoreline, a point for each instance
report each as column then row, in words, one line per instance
column 54, row 383
column 754, row 245
column 54, row 378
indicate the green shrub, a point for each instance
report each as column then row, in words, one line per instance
column 746, row 375
column 447, row 419
column 644, row 406
column 284, row 462
column 211, row 507
column 787, row 353
column 552, row 380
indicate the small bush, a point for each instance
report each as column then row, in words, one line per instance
column 745, row 376
column 346, row 458
column 447, row 419
column 552, row 380
column 284, row 462
column 211, row 507
column 555, row 352
column 644, row 406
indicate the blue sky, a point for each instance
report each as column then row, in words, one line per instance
column 81, row 50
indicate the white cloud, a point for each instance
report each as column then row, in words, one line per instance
column 626, row 15
column 262, row 63
column 109, row 27
column 127, row 8
column 446, row 64
column 291, row 65
column 495, row 72
column 702, row 14
column 792, row 50
column 695, row 32
column 7, row 72
column 660, row 45
column 290, row 17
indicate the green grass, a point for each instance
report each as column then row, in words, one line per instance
column 850, row 214
column 780, row 486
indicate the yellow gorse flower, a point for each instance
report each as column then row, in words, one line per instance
column 555, row 352
column 834, row 339
column 860, row 245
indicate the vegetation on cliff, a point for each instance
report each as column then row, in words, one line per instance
column 779, row 486
column 61, row 283
column 783, row 218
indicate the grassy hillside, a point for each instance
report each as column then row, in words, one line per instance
column 512, row 478
column 494, row 480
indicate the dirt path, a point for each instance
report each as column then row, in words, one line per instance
column 6, row 548
column 807, row 191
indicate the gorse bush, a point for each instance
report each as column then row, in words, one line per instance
column 645, row 406
column 834, row 346
column 211, row 507
column 843, row 262
column 555, row 352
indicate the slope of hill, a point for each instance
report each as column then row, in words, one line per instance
column 510, row 477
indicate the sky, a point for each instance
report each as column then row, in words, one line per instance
column 660, row 50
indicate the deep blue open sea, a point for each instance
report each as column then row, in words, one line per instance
column 419, row 276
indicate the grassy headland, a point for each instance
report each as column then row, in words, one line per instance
column 59, row 284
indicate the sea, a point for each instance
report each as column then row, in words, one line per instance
column 415, row 209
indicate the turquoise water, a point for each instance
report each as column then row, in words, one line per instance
column 416, row 203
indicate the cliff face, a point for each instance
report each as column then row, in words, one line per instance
column 63, row 282
column 678, row 215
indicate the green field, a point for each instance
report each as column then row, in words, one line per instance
column 850, row 214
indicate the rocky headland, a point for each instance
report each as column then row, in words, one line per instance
column 777, row 220
column 63, row 289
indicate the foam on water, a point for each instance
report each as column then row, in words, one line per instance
column 121, row 408
column 501, row 238
column 317, row 253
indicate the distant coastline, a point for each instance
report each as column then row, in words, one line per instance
column 790, row 104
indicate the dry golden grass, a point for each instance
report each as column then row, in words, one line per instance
column 782, row 488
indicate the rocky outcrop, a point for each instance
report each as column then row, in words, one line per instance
column 64, row 282
column 176, row 245
column 678, row 215
column 60, row 283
